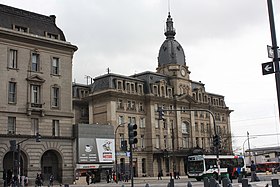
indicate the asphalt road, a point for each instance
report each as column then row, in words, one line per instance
column 153, row 182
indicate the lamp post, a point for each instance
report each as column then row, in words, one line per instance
column 116, row 159
column 247, row 139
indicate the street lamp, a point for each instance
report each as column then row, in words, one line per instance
column 247, row 139
column 116, row 159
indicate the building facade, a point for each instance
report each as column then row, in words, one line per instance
column 188, row 127
column 36, row 87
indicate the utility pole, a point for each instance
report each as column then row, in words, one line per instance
column 250, row 157
column 275, row 50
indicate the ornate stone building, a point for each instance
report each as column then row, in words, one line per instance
column 162, row 145
column 35, row 81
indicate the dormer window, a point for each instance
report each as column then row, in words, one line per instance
column 51, row 35
column 20, row 28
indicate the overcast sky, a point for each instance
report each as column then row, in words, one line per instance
column 224, row 42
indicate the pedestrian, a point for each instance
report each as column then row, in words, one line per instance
column 51, row 179
column 230, row 170
column 160, row 174
column 22, row 180
column 107, row 176
column 92, row 178
column 126, row 177
column 26, row 181
column 178, row 175
column 87, row 178
column 253, row 171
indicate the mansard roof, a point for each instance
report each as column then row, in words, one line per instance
column 37, row 24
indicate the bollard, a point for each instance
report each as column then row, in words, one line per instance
column 123, row 185
column 206, row 182
column 275, row 182
column 240, row 178
column 147, row 185
column 212, row 182
column 189, row 184
column 245, row 183
column 171, row 182
column 168, row 185
column 225, row 182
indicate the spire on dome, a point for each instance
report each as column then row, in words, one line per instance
column 169, row 30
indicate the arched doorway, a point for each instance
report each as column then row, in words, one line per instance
column 10, row 164
column 51, row 163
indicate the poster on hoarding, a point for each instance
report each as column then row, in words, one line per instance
column 87, row 150
column 106, row 149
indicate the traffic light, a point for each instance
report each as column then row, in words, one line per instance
column 124, row 145
column 38, row 137
column 132, row 133
column 161, row 113
column 13, row 145
column 216, row 140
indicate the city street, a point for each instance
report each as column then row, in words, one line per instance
column 153, row 182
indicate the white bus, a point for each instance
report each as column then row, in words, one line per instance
column 200, row 166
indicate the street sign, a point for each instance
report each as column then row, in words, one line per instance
column 267, row 68
column 270, row 52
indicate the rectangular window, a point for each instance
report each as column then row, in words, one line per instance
column 142, row 141
column 55, row 128
column 165, row 141
column 185, row 142
column 55, row 97
column 55, row 66
column 141, row 107
column 121, row 139
column 120, row 104
column 132, row 120
column 142, row 123
column 144, row 165
column 121, row 120
column 35, row 126
column 35, row 62
column 157, row 141
column 13, row 59
column 11, row 125
column 12, row 92
column 35, row 94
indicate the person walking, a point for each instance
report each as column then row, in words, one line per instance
column 87, row 178
column 160, row 175
column 51, row 179
column 253, row 171
column 230, row 170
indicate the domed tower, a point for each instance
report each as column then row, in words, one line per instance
column 171, row 59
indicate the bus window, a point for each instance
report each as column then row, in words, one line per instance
column 196, row 167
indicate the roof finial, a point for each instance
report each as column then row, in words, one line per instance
column 169, row 30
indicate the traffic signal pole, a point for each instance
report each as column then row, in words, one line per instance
column 275, row 50
column 15, row 147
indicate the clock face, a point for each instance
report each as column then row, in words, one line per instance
column 183, row 72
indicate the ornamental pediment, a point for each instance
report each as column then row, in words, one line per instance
column 35, row 78
column 186, row 98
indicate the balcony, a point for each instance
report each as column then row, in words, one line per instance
column 35, row 108
column 36, row 105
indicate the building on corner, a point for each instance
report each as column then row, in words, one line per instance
column 36, row 87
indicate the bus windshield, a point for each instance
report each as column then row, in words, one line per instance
column 196, row 167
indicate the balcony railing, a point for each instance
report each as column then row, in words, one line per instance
column 36, row 105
